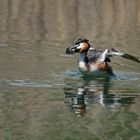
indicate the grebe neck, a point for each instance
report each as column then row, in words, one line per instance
column 83, row 62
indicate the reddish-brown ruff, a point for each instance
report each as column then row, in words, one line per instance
column 85, row 47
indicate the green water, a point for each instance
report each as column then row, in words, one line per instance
column 43, row 96
column 39, row 98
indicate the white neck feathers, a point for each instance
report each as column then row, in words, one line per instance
column 82, row 63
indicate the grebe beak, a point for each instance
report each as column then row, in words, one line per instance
column 72, row 50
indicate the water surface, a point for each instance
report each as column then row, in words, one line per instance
column 43, row 95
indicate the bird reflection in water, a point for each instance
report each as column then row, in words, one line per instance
column 79, row 94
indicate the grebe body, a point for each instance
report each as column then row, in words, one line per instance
column 96, row 62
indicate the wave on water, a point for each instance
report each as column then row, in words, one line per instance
column 126, row 76
column 26, row 83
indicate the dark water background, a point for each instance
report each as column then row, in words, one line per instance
column 42, row 94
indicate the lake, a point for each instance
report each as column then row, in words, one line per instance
column 43, row 96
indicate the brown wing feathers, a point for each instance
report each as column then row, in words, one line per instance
column 94, row 54
column 130, row 57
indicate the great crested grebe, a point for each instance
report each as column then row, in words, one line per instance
column 92, row 61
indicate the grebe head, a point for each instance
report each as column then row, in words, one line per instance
column 81, row 45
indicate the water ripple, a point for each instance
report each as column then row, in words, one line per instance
column 26, row 83
column 118, row 75
column 126, row 76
